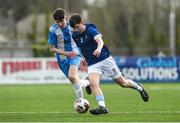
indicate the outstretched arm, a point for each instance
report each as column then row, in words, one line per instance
column 62, row 52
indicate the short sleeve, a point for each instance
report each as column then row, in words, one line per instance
column 93, row 32
column 52, row 38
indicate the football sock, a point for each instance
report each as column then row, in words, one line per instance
column 100, row 100
column 84, row 83
column 135, row 85
column 78, row 90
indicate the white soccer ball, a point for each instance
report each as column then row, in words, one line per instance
column 81, row 105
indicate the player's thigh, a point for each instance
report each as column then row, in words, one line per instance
column 73, row 70
column 73, row 66
column 94, row 78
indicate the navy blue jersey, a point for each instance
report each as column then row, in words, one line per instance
column 85, row 41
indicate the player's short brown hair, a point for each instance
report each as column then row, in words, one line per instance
column 75, row 19
column 59, row 14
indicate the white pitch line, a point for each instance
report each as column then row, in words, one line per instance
column 138, row 112
column 164, row 88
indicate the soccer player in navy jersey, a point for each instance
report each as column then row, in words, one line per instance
column 66, row 51
column 99, row 61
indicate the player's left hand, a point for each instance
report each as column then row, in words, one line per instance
column 83, row 65
column 97, row 52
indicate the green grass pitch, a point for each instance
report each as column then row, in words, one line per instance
column 54, row 103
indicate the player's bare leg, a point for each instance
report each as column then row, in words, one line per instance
column 74, row 79
column 127, row 83
column 94, row 79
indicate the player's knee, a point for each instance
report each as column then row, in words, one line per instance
column 72, row 78
column 94, row 85
column 124, row 85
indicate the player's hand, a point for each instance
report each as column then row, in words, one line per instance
column 84, row 63
column 97, row 52
column 71, row 54
column 52, row 49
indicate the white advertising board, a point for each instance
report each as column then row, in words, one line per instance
column 32, row 71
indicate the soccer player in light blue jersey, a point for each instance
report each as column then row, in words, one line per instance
column 99, row 61
column 66, row 51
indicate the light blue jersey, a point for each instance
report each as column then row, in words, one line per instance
column 61, row 38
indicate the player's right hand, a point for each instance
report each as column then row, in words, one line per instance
column 71, row 54
column 97, row 52
column 52, row 49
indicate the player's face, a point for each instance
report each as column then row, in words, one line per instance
column 62, row 23
column 79, row 27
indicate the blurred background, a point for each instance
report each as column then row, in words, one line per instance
column 143, row 36
column 140, row 27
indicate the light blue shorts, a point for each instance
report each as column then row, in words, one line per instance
column 65, row 64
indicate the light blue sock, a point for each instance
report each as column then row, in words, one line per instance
column 78, row 90
column 100, row 100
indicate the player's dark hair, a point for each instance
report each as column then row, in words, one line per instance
column 75, row 19
column 59, row 14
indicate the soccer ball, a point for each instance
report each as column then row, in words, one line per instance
column 81, row 105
